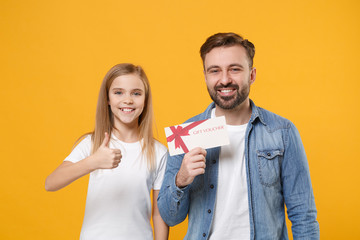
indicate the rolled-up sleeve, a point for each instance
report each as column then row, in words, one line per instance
column 173, row 202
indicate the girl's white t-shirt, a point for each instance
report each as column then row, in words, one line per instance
column 118, row 204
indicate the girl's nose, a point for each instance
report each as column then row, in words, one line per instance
column 128, row 100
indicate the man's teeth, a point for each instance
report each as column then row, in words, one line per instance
column 226, row 90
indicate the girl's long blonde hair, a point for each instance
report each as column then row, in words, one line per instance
column 104, row 121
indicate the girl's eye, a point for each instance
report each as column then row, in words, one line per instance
column 118, row 93
column 137, row 93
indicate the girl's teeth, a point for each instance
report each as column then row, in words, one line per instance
column 127, row 110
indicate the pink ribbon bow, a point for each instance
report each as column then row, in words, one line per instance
column 180, row 131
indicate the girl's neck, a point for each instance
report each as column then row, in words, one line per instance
column 127, row 134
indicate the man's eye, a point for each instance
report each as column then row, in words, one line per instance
column 213, row 71
column 235, row 69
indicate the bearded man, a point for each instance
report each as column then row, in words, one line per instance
column 240, row 191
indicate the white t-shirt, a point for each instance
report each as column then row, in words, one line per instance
column 118, row 204
column 231, row 217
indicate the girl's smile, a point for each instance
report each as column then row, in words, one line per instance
column 127, row 110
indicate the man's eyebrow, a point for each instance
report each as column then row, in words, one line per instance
column 236, row 65
column 231, row 65
column 212, row 66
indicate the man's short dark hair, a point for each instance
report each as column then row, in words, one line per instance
column 227, row 40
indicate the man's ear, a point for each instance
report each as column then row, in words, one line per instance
column 252, row 75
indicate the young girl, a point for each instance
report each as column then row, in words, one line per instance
column 123, row 159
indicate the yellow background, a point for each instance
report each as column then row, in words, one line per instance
column 54, row 55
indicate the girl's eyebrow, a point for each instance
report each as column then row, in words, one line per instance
column 135, row 89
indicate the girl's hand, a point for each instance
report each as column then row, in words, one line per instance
column 105, row 157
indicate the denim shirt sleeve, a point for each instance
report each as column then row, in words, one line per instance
column 173, row 202
column 297, row 188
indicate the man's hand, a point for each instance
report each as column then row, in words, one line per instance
column 192, row 165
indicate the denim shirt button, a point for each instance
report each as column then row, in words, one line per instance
column 269, row 154
column 211, row 186
column 214, row 161
column 209, row 211
column 178, row 203
column 204, row 234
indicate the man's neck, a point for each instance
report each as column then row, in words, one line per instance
column 237, row 116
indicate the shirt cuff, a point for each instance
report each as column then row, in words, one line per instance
column 176, row 192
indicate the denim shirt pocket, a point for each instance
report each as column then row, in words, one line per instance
column 268, row 162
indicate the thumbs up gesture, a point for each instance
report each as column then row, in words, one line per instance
column 105, row 157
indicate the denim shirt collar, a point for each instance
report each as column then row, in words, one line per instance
column 254, row 115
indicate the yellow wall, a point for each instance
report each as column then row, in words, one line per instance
column 54, row 55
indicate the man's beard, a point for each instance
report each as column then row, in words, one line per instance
column 230, row 102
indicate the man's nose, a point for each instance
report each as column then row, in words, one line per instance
column 225, row 78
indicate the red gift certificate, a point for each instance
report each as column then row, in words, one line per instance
column 206, row 133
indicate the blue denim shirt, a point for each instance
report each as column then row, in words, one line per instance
column 277, row 175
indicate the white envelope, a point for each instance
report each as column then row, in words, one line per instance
column 207, row 133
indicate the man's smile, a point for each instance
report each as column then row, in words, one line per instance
column 226, row 91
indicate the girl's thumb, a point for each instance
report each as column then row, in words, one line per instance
column 106, row 140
